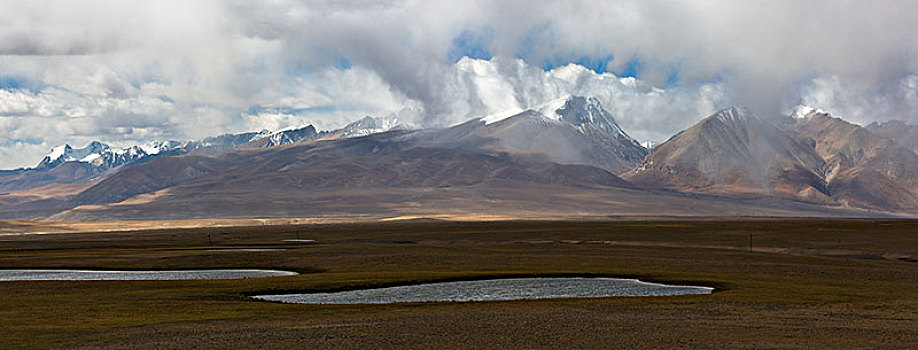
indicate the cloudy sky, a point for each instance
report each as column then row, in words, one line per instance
column 133, row 71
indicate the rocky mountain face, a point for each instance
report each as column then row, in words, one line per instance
column 284, row 137
column 903, row 133
column 862, row 168
column 68, row 165
column 98, row 154
column 733, row 151
column 380, row 174
column 367, row 126
column 370, row 162
column 566, row 156
column 813, row 157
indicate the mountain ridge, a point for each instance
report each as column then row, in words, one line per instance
column 570, row 150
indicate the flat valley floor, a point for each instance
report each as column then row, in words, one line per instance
column 780, row 284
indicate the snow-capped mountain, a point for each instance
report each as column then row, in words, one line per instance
column 370, row 125
column 101, row 156
column 580, row 112
column 96, row 153
column 584, row 113
column 570, row 130
column 367, row 126
column 807, row 159
column 230, row 140
column 284, row 137
column 157, row 147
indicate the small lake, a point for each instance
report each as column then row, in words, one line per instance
column 96, row 275
column 494, row 290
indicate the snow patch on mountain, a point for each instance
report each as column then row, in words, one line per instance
column 733, row 114
column 577, row 111
column 96, row 153
column 373, row 125
column 496, row 117
column 66, row 153
column 290, row 135
column 156, row 147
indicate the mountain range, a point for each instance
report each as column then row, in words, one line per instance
column 565, row 157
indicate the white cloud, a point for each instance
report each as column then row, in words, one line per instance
column 126, row 71
column 863, row 103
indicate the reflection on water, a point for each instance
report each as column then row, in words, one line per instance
column 493, row 290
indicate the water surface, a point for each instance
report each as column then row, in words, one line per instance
column 97, row 275
column 493, row 290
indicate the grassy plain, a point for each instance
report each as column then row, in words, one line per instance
column 781, row 283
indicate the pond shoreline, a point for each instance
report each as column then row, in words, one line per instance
column 24, row 275
column 499, row 289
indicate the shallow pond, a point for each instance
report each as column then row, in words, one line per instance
column 97, row 275
column 493, row 290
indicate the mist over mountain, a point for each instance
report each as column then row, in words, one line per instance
column 570, row 152
column 130, row 74
column 573, row 129
column 811, row 157
column 899, row 131
column 733, row 151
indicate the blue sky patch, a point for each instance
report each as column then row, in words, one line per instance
column 672, row 80
column 632, row 68
column 18, row 83
column 343, row 63
column 471, row 44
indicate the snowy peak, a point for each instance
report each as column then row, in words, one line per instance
column 66, row 153
column 288, row 136
column 572, row 130
column 157, row 147
column 583, row 111
column 96, row 153
column 233, row 140
column 370, row 125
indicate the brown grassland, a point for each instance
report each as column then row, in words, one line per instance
column 781, row 283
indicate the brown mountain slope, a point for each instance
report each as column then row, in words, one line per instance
column 814, row 158
column 862, row 168
column 374, row 161
column 899, row 131
column 67, row 173
column 733, row 152
column 386, row 175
